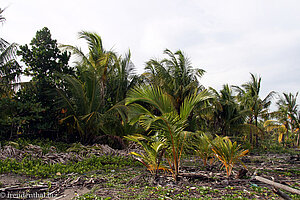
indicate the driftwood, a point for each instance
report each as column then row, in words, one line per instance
column 277, row 185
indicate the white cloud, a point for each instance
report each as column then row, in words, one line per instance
column 228, row 39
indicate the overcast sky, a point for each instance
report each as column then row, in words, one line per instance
column 228, row 39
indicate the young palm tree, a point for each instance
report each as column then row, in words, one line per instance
column 154, row 150
column 228, row 153
column 167, row 123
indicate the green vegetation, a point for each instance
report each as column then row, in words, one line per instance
column 228, row 153
column 168, row 125
column 99, row 99
column 91, row 102
column 38, row 168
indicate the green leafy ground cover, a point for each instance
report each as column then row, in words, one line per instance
column 121, row 177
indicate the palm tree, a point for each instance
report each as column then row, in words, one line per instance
column 98, row 59
column 97, row 92
column 10, row 70
column 175, row 75
column 248, row 96
column 121, row 79
column 2, row 18
column 298, row 128
column 277, row 126
column 288, row 112
column 227, row 114
column 84, row 111
column 167, row 122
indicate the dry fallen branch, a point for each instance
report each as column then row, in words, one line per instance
column 277, row 185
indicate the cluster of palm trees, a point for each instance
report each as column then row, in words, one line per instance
column 105, row 100
column 286, row 120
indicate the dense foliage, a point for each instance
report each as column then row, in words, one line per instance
column 100, row 99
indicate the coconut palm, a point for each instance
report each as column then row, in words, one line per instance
column 98, row 60
column 228, row 153
column 227, row 113
column 2, row 18
column 203, row 148
column 96, row 92
column 154, row 150
column 276, row 126
column 248, row 96
column 166, row 122
column 287, row 113
column 121, row 79
column 85, row 112
column 10, row 70
column 175, row 75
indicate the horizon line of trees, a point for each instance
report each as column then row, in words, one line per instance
column 87, row 102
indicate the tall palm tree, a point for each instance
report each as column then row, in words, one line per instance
column 97, row 60
column 167, row 122
column 96, row 93
column 248, row 96
column 175, row 75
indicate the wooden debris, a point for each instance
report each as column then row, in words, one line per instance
column 277, row 185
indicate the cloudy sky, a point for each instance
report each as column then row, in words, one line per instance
column 228, row 39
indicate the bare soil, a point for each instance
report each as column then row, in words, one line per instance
column 196, row 181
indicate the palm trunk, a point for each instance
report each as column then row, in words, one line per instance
column 284, row 141
column 256, row 133
column 250, row 133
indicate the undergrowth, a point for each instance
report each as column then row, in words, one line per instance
column 38, row 168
